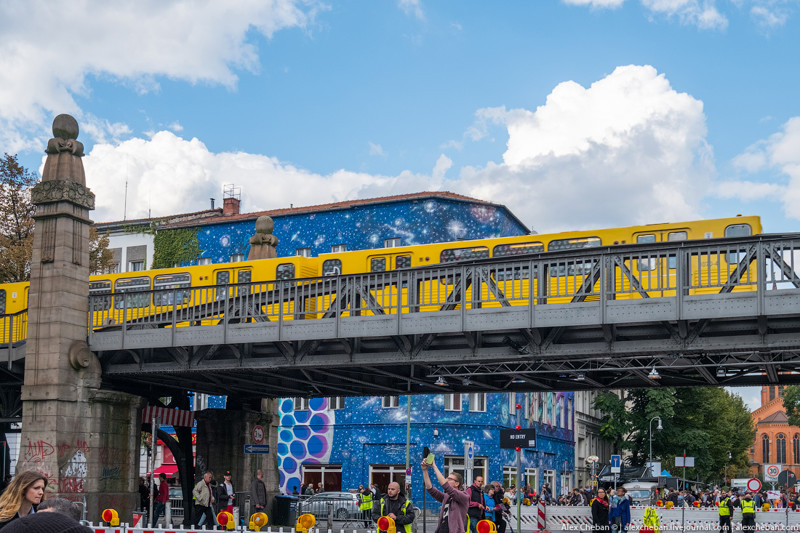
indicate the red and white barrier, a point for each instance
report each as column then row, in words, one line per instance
column 541, row 519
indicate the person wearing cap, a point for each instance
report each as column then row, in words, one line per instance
column 226, row 493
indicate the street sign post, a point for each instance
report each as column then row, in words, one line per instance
column 771, row 472
column 616, row 468
column 753, row 485
column 469, row 459
column 258, row 434
column 256, row 448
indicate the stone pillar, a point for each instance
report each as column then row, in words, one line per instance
column 221, row 437
column 263, row 243
column 85, row 440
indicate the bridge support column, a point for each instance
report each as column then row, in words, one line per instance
column 222, row 435
column 84, row 439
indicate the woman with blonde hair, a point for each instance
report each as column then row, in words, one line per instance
column 22, row 496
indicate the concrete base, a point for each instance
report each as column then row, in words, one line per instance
column 221, row 438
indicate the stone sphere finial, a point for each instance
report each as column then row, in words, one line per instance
column 65, row 127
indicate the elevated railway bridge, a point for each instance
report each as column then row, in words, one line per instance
column 714, row 312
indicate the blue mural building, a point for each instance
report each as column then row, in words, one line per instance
column 345, row 442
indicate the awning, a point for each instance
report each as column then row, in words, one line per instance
column 168, row 417
column 166, row 469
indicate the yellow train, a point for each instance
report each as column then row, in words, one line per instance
column 120, row 296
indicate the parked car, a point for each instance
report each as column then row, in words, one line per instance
column 345, row 505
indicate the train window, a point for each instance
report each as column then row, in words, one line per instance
column 133, row 285
column 677, row 236
column 573, row 244
column 738, row 230
column 332, row 267
column 645, row 239
column 245, row 276
column 377, row 264
column 284, row 271
column 402, row 261
column 464, row 254
column 223, row 277
column 649, row 263
column 171, row 288
column 100, row 295
column 2, row 302
column 504, row 250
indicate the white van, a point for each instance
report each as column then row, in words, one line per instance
column 642, row 492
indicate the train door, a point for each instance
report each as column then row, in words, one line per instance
column 655, row 271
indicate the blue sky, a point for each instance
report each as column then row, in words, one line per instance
column 574, row 113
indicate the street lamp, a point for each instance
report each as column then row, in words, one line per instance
column 659, row 427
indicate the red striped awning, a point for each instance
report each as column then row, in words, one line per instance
column 168, row 417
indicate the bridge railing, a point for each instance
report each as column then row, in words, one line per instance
column 592, row 285
column 13, row 331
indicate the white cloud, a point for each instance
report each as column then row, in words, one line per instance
column 168, row 175
column 701, row 13
column 376, row 149
column 46, row 54
column 629, row 149
column 412, row 7
column 781, row 152
column 443, row 164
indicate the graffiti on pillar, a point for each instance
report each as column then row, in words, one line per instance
column 73, row 474
column 111, row 473
column 37, row 451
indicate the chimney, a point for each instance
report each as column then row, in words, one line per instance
column 230, row 206
column 212, row 203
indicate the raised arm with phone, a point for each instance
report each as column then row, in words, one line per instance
column 453, row 516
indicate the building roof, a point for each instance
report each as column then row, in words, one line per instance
column 778, row 417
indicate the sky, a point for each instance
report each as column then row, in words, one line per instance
column 574, row 113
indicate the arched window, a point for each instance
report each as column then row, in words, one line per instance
column 780, row 448
column 764, row 448
column 796, row 449
column 771, row 393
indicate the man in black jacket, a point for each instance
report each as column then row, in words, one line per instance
column 476, row 506
column 258, row 492
column 396, row 506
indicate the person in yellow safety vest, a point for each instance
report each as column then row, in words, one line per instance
column 725, row 512
column 748, row 513
column 396, row 506
column 365, row 504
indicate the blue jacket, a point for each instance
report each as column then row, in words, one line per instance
column 620, row 507
column 488, row 501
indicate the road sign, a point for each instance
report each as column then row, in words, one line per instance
column 408, row 474
column 616, row 464
column 469, row 454
column 518, row 438
column 258, row 434
column 753, row 485
column 256, row 448
column 771, row 472
column 679, row 462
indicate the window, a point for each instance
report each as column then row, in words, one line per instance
column 645, row 239
column 336, row 403
column 99, row 296
column 377, row 264
column 204, row 261
column 563, row 403
column 512, row 403
column 300, row 404
column 284, row 271
column 796, row 449
column 771, row 393
column 780, row 391
column 463, row 254
column 738, row 230
column 133, row 285
column 390, row 402
column 452, row 402
column 332, row 267
column 764, row 448
column 222, row 279
column 329, row 475
column 477, row 402
column 570, row 409
column 200, row 402
column 780, row 448
column 382, row 475
column 237, row 258
column 135, row 266
column 550, row 479
column 509, row 476
column 455, row 463
column 3, row 299
column 532, row 478
column 573, row 244
column 677, row 236
column 171, row 288
column 303, row 252
column 402, row 261
column 394, row 242
column 504, row 250
column 336, row 248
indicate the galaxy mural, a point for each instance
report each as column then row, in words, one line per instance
column 368, row 433
column 364, row 227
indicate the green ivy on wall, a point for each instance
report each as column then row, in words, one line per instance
column 175, row 246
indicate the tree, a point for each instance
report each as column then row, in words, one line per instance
column 707, row 422
column 17, row 224
column 791, row 402
column 16, row 220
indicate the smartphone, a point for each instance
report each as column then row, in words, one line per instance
column 425, row 452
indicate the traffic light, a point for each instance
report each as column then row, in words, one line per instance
column 225, row 519
column 257, row 521
column 110, row 517
column 387, row 524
